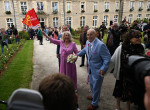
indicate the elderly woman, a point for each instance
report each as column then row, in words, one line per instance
column 67, row 47
column 125, row 85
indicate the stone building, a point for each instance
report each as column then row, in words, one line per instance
column 77, row 12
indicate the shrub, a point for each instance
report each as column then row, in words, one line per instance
column 82, row 11
column 95, row 10
column 24, row 35
column 55, row 11
column 68, row 11
column 140, row 9
column 117, row 10
column 131, row 9
column 8, row 12
column 107, row 10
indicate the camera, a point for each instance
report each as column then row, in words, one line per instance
column 139, row 67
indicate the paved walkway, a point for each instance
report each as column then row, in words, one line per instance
column 45, row 63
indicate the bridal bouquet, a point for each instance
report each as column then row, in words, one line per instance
column 71, row 58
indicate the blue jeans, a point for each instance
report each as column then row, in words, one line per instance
column 6, row 40
column 2, row 48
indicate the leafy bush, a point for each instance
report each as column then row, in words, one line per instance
column 8, row 12
column 24, row 35
column 95, row 10
column 68, row 11
column 107, row 10
column 4, row 58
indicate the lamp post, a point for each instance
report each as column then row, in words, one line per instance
column 64, row 11
column 121, row 11
column 14, row 13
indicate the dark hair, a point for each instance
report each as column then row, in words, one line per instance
column 129, row 35
column 97, row 30
column 58, row 92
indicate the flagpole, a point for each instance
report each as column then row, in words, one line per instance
column 14, row 13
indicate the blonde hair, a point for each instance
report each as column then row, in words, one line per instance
column 63, row 36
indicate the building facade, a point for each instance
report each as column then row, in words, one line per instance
column 77, row 13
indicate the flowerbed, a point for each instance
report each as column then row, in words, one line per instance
column 4, row 58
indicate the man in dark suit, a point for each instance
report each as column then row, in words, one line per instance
column 83, row 39
column 102, row 28
column 98, row 61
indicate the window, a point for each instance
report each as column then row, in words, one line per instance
column 68, row 6
column 140, row 4
column 106, row 5
column 68, row 20
column 82, row 6
column 95, row 5
column 95, row 21
column 116, row 19
column 82, row 21
column 106, row 20
column 9, row 22
column 40, row 5
column 7, row 6
column 23, row 6
column 24, row 26
column 117, row 5
column 131, row 4
column 55, row 22
column 147, row 16
column 148, row 5
column 130, row 18
column 139, row 17
column 55, row 6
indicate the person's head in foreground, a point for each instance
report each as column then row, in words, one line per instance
column 58, row 92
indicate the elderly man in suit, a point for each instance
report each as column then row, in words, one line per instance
column 98, row 62
column 83, row 39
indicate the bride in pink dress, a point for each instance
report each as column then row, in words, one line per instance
column 67, row 47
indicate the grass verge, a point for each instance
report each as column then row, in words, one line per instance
column 19, row 72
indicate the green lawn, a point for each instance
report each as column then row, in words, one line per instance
column 19, row 72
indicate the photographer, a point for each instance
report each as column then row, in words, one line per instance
column 139, row 67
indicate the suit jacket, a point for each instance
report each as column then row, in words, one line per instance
column 98, row 58
column 82, row 40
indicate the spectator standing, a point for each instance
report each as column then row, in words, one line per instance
column 135, row 26
column 83, row 39
column 40, row 36
column 147, row 33
column 102, row 28
column 15, row 34
column 3, row 39
column 113, row 39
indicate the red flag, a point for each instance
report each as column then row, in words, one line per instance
column 31, row 19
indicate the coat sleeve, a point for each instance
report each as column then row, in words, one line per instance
column 57, row 42
column 105, row 55
column 75, row 49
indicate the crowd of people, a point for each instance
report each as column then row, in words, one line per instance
column 122, row 42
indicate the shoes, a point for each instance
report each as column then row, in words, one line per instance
column 91, row 107
column 89, row 98
column 81, row 65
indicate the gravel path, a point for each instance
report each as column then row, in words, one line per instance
column 45, row 63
